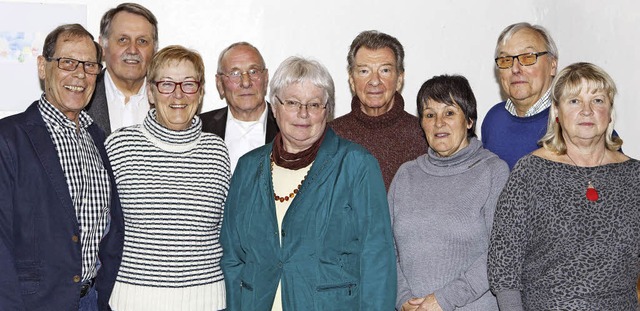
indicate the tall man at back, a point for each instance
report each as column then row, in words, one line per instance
column 377, row 119
column 526, row 60
column 129, row 37
column 61, row 226
column 247, row 122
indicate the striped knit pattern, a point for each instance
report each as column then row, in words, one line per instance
column 172, row 185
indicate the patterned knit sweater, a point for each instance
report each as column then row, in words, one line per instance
column 172, row 185
column 552, row 249
column 393, row 138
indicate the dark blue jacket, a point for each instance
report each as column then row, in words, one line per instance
column 40, row 252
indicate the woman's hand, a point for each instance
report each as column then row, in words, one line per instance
column 427, row 303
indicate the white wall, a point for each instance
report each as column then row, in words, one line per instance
column 446, row 36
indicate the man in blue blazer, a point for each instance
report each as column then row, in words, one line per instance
column 61, row 226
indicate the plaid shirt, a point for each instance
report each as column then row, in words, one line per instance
column 543, row 103
column 86, row 176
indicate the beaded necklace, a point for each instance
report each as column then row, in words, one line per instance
column 292, row 194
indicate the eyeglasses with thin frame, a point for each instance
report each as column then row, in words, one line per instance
column 291, row 106
column 168, row 87
column 236, row 75
column 525, row 59
column 70, row 64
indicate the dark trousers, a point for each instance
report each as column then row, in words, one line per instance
column 90, row 301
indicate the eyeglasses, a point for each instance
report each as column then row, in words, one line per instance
column 291, row 106
column 168, row 87
column 525, row 59
column 236, row 75
column 70, row 64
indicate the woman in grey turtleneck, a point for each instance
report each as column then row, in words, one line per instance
column 442, row 205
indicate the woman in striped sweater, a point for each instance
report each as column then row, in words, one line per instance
column 172, row 180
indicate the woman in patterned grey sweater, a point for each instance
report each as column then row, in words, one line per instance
column 172, row 180
column 442, row 204
column 567, row 225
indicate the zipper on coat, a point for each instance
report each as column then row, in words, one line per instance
column 243, row 284
column 348, row 286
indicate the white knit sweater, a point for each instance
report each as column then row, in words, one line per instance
column 172, row 186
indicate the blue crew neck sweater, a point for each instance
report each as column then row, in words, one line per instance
column 512, row 137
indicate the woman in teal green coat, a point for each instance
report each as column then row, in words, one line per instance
column 306, row 223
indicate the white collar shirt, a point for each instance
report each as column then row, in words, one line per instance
column 123, row 114
column 244, row 136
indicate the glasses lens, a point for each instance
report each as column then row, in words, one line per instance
column 67, row 64
column 504, row 62
column 290, row 105
column 166, row 87
column 527, row 59
column 254, row 74
column 314, row 107
column 190, row 87
column 92, row 68
column 235, row 76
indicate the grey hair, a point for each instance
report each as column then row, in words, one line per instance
column 298, row 69
column 508, row 32
column 233, row 45
column 374, row 40
column 133, row 8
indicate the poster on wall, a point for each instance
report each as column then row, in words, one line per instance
column 23, row 28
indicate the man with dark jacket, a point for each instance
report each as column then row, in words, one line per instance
column 61, row 226
column 247, row 122
column 129, row 37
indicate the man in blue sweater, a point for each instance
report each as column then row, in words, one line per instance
column 526, row 60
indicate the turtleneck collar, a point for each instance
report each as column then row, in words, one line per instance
column 387, row 119
column 459, row 162
column 171, row 140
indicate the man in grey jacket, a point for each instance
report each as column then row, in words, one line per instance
column 129, row 37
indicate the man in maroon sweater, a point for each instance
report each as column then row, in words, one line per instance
column 377, row 119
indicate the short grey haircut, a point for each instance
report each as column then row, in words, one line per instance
column 297, row 69
column 508, row 32
column 374, row 40
column 133, row 8
column 233, row 45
